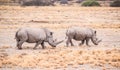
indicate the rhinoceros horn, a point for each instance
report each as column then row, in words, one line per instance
column 54, row 43
column 96, row 42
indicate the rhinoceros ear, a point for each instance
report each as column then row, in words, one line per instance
column 51, row 33
column 95, row 32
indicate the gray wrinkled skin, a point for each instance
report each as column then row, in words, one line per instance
column 35, row 35
column 81, row 34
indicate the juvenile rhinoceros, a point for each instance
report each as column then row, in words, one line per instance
column 35, row 35
column 81, row 34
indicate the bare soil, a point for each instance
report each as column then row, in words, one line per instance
column 105, row 56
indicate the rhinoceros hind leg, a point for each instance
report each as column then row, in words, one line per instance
column 19, row 44
column 67, row 42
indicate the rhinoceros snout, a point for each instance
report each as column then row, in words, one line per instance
column 98, row 41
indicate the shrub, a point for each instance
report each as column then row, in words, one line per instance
column 90, row 3
column 115, row 3
column 36, row 2
column 63, row 1
column 79, row 1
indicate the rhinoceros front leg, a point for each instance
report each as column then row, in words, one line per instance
column 42, row 44
column 87, row 41
column 37, row 43
column 82, row 42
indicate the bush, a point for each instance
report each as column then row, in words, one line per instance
column 63, row 1
column 90, row 3
column 115, row 3
column 36, row 2
column 79, row 1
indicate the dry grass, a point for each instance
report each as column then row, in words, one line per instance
column 59, row 17
column 57, row 58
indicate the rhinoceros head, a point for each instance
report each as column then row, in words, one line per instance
column 54, row 43
column 50, row 39
column 94, row 39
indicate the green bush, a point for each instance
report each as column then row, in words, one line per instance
column 115, row 3
column 90, row 3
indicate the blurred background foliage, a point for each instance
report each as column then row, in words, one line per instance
column 112, row 3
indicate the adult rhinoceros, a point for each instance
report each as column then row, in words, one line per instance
column 81, row 34
column 35, row 35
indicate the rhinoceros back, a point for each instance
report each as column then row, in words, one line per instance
column 79, row 33
column 33, row 34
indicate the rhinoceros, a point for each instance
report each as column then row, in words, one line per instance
column 35, row 35
column 81, row 34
